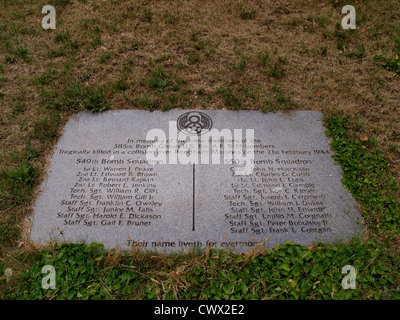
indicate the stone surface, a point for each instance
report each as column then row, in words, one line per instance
column 104, row 183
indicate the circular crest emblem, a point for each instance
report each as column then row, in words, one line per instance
column 194, row 123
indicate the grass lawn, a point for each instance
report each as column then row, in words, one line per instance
column 179, row 54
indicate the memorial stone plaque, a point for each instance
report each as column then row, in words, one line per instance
column 177, row 180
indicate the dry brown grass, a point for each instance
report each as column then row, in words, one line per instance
column 217, row 38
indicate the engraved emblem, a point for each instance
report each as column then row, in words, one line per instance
column 194, row 123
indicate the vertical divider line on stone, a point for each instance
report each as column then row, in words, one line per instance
column 194, row 190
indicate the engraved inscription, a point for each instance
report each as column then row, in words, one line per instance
column 106, row 189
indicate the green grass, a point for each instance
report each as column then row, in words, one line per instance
column 356, row 54
column 193, row 57
column 146, row 15
column 145, row 101
column 276, row 71
column 160, row 81
column 3, row 80
column 263, row 57
column 104, row 57
column 121, row 85
column 164, row 102
column 321, row 21
column 96, row 41
column 231, row 99
column 278, row 100
column 16, row 183
column 19, row 107
column 343, row 37
column 16, row 187
column 289, row 271
column 22, row 53
column 62, row 36
column 241, row 66
column 392, row 63
column 323, row 51
column 61, row 93
column 59, row 52
column 170, row 18
column 81, row 97
column 246, row 13
column 47, row 127
column 46, row 78
column 367, row 175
